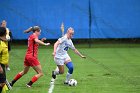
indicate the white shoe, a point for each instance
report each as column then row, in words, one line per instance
column 28, row 86
column 52, row 80
column 8, row 69
column 66, row 82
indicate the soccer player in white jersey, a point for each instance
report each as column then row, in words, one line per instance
column 61, row 56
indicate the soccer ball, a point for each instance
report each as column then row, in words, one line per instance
column 72, row 82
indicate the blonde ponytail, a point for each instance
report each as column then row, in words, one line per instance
column 28, row 30
column 34, row 28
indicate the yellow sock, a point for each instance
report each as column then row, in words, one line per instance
column 4, row 89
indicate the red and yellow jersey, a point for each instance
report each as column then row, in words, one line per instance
column 32, row 46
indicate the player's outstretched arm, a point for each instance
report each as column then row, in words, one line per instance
column 55, row 47
column 42, row 43
column 78, row 53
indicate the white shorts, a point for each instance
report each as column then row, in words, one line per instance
column 59, row 61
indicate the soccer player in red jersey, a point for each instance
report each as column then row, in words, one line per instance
column 31, row 59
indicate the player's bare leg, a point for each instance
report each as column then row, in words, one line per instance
column 1, row 74
column 20, row 74
column 57, row 72
column 38, row 70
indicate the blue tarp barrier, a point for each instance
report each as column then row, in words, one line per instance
column 89, row 18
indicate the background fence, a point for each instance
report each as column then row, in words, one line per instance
column 90, row 18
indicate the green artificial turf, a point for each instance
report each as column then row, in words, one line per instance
column 114, row 69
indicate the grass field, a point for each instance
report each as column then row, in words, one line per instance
column 113, row 69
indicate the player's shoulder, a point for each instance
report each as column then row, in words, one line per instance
column 62, row 38
column 32, row 35
column 70, row 40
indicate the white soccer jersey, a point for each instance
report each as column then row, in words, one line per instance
column 65, row 44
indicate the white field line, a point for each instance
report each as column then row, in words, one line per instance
column 51, row 86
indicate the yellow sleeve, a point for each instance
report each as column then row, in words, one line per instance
column 4, row 44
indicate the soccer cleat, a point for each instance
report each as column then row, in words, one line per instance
column 66, row 82
column 53, row 75
column 28, row 86
column 11, row 84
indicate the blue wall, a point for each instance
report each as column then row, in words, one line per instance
column 109, row 18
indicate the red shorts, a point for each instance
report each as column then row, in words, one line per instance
column 31, row 61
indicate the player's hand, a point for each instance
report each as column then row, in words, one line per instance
column 1, row 70
column 8, row 38
column 43, row 39
column 53, row 54
column 83, row 56
column 47, row 44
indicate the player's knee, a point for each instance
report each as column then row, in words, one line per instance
column 2, row 84
column 70, row 67
column 61, row 72
column 23, row 72
column 41, row 74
